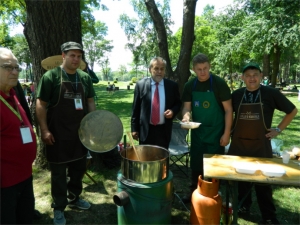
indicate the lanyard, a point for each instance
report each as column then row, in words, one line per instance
column 250, row 100
column 74, row 89
column 12, row 109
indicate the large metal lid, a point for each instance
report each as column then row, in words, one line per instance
column 100, row 131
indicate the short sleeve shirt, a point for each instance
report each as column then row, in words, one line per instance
column 219, row 87
column 50, row 83
column 271, row 99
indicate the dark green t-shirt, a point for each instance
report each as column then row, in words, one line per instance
column 50, row 83
column 219, row 87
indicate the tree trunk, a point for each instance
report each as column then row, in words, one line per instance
column 160, row 28
column 266, row 66
column 182, row 71
column 276, row 61
column 49, row 24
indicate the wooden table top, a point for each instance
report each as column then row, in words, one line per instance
column 220, row 167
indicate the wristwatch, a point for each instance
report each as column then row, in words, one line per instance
column 278, row 130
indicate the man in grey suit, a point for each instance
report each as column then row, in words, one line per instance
column 156, row 102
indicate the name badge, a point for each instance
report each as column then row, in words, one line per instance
column 78, row 104
column 26, row 134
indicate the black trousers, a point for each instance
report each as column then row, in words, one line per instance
column 66, row 182
column 17, row 203
column 264, row 198
column 157, row 136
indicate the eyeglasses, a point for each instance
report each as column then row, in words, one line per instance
column 11, row 68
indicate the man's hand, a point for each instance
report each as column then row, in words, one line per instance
column 272, row 134
column 47, row 137
column 224, row 140
column 135, row 135
column 168, row 113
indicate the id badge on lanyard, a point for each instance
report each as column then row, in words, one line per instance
column 24, row 130
column 78, row 104
column 26, row 134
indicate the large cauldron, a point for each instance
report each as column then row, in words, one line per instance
column 151, row 165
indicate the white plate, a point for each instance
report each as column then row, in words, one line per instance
column 244, row 167
column 270, row 170
column 189, row 125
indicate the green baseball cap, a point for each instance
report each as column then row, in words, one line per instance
column 71, row 46
column 251, row 65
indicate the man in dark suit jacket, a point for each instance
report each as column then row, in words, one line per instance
column 142, row 126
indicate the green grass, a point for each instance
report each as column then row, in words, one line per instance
column 290, row 136
column 118, row 102
column 104, row 211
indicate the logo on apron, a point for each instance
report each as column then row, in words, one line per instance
column 196, row 103
column 205, row 104
column 249, row 116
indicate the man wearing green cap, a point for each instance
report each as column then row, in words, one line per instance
column 253, row 108
column 65, row 95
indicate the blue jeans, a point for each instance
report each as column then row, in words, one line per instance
column 17, row 203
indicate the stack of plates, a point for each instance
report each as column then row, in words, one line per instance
column 189, row 125
column 268, row 170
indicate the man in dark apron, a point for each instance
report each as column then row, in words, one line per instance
column 206, row 100
column 65, row 95
column 254, row 107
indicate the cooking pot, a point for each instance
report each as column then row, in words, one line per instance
column 149, row 166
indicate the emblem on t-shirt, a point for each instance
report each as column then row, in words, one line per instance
column 196, row 103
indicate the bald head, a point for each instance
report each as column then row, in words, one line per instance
column 9, row 72
column 5, row 52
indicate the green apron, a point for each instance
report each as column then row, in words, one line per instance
column 205, row 138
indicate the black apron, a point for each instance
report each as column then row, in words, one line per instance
column 64, row 121
column 248, row 138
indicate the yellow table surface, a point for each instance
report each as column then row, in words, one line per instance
column 220, row 166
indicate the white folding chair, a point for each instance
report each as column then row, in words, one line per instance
column 179, row 148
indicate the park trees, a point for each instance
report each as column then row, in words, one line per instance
column 95, row 44
column 266, row 30
column 159, row 14
column 21, row 51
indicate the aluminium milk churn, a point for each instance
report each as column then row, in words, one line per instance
column 206, row 203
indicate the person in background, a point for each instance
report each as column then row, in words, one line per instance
column 65, row 95
column 155, row 104
column 18, row 148
column 252, row 137
column 206, row 99
column 265, row 81
column 92, row 74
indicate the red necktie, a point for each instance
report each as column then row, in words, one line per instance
column 155, row 107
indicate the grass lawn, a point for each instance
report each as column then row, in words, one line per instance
column 100, row 195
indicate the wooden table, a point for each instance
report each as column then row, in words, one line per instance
column 220, row 167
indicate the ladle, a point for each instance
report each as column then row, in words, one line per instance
column 131, row 140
